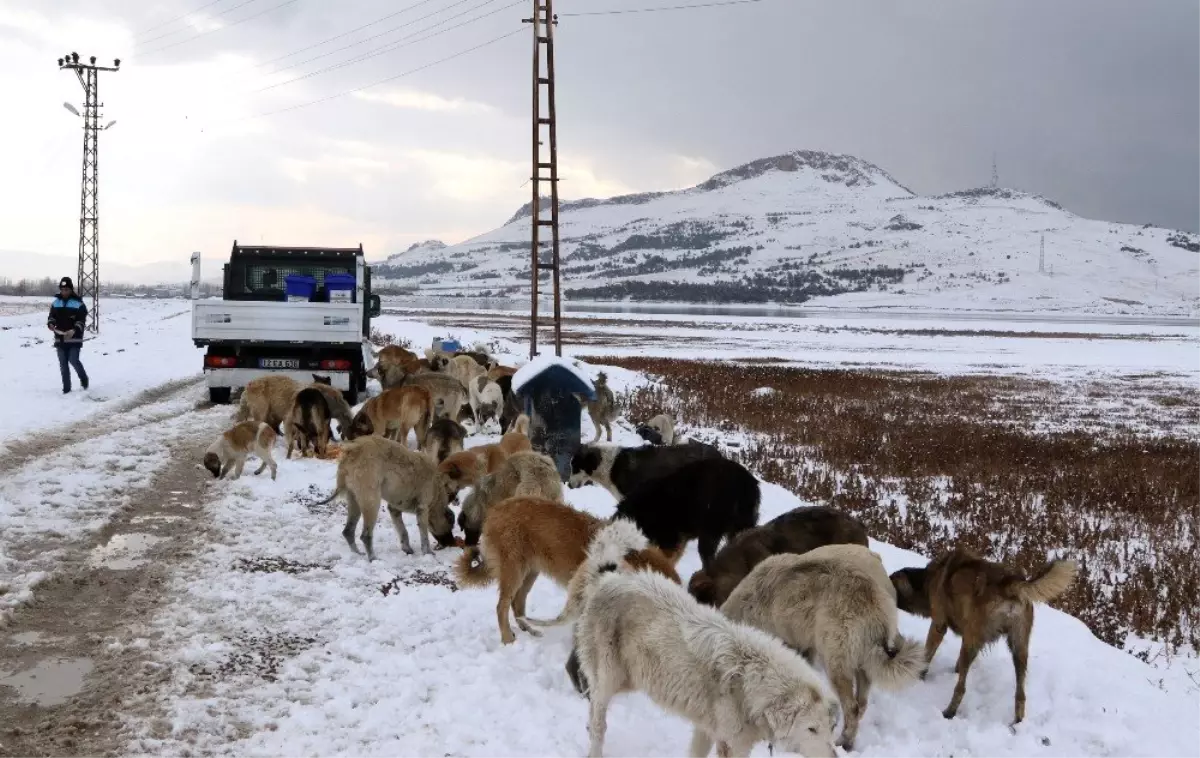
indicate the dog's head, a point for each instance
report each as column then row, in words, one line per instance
column 212, row 462
column 322, row 379
column 650, row 434
column 653, row 559
column 912, row 593
column 702, row 587
column 438, row 361
column 441, row 525
column 803, row 721
column 361, row 426
column 584, row 463
column 461, row 469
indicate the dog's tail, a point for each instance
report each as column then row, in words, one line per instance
column 471, row 569
column 1051, row 581
column 606, row 552
column 895, row 662
column 338, row 490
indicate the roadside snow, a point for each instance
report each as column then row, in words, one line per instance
column 142, row 344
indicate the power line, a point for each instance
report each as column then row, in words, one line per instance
column 386, row 32
column 401, row 75
column 396, row 45
column 177, row 18
column 177, row 31
column 227, row 26
column 661, row 8
column 344, row 34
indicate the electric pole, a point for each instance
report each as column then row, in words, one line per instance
column 995, row 173
column 1042, row 257
column 88, row 278
column 544, row 22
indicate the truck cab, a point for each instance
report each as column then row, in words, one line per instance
column 295, row 311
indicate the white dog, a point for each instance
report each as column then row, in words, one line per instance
column 737, row 685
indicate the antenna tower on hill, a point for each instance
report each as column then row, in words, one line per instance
column 87, row 280
column 545, row 168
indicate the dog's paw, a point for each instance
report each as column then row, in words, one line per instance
column 949, row 713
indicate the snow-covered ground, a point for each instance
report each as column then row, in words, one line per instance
column 321, row 653
column 420, row 670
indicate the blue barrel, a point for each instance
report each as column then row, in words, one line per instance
column 299, row 287
column 339, row 288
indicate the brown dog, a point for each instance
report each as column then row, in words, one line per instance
column 393, row 413
column 797, row 531
column 308, row 423
column 981, row 601
column 524, row 537
column 523, row 474
column 468, row 466
column 229, row 451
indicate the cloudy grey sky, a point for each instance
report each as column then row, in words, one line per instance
column 1093, row 103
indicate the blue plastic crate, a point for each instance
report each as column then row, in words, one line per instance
column 339, row 288
column 299, row 287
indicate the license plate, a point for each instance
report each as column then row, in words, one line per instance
column 278, row 363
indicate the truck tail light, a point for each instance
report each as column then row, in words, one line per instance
column 336, row 364
column 220, row 361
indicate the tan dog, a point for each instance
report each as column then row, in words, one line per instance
column 981, row 601
column 372, row 469
column 495, row 372
column 393, row 414
column 602, row 410
column 467, row 466
column 524, row 537
column 230, row 450
column 464, row 368
column 449, row 396
column 269, row 399
column 445, row 438
column 524, row 474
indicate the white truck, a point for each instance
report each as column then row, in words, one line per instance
column 262, row 325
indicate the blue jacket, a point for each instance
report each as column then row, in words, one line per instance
column 66, row 314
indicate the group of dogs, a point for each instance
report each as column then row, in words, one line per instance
column 733, row 652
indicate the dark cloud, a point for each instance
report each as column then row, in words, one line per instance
column 1094, row 103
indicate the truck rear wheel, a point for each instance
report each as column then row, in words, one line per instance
column 219, row 395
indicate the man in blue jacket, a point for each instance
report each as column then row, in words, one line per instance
column 68, row 314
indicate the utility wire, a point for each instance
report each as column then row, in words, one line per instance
column 401, row 75
column 660, row 8
column 177, row 18
column 227, row 26
column 396, row 45
column 177, row 31
column 386, row 32
column 344, row 34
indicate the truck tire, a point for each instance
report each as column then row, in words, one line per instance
column 219, row 395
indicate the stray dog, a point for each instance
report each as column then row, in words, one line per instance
column 512, row 403
column 497, row 371
column 618, row 546
column 339, row 409
column 308, row 424
column 230, row 450
column 372, row 469
column 602, row 410
column 522, row 538
column 621, row 470
column 659, row 430
column 268, row 398
column 707, row 500
column 797, row 531
column 464, row 369
column 981, row 601
column 737, row 685
column 837, row 604
column 393, row 414
column 523, row 474
column 467, row 466
column 449, row 396
column 445, row 438
column 487, row 400
column 482, row 358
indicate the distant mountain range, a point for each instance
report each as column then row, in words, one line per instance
column 830, row 229
column 17, row 265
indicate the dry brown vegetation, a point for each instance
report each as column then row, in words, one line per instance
column 928, row 461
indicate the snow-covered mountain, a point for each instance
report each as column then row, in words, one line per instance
column 415, row 249
column 827, row 229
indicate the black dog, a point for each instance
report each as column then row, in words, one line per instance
column 512, row 404
column 650, row 434
column 621, row 470
column 704, row 499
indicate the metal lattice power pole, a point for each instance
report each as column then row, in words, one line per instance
column 544, row 22
column 87, row 280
